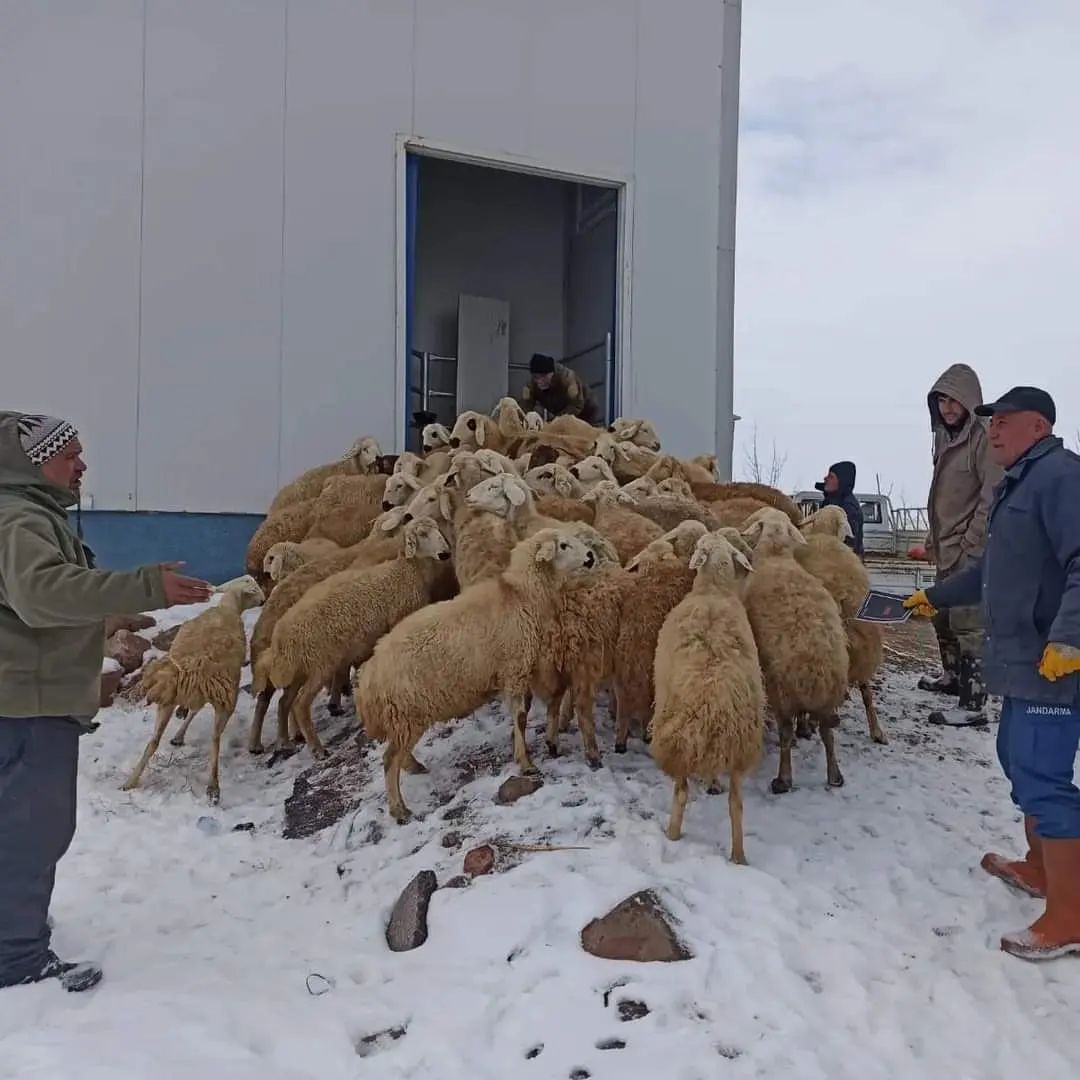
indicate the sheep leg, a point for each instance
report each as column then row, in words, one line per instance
column 678, row 808
column 164, row 715
column 521, row 746
column 392, row 773
column 411, row 765
column 738, row 855
column 553, row 723
column 302, row 713
column 284, row 710
column 584, row 700
column 262, row 704
column 877, row 732
column 827, row 725
column 622, row 722
column 213, row 787
column 804, row 727
column 178, row 738
column 566, row 712
column 337, row 684
column 782, row 783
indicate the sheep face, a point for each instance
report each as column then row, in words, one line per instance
column 562, row 551
column 501, row 495
column 509, row 415
column 423, row 539
column 592, row 470
column 426, row 503
column 774, row 534
column 470, row 467
column 609, row 492
column 434, row 437
column 246, row 591
column 639, row 432
column 828, row 521
column 275, row 560
column 596, row 542
column 552, row 480
column 735, row 539
column 763, row 514
column 675, row 485
column 470, row 430
column 365, row 452
column 715, row 557
column 534, row 421
column 684, row 537
column 400, row 488
column 408, row 463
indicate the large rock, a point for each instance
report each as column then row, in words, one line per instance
column 110, row 683
column 407, row 928
column 134, row 623
column 127, row 649
column 637, row 929
column 481, row 860
column 517, row 787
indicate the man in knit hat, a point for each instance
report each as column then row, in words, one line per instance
column 53, row 605
column 557, row 390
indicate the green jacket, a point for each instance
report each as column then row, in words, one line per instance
column 52, row 602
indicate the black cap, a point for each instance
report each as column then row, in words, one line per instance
column 540, row 364
column 1022, row 399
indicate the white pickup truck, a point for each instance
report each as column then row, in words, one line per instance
column 893, row 539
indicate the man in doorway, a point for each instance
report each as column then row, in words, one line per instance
column 839, row 490
column 557, row 389
column 53, row 605
column 1028, row 581
column 963, row 483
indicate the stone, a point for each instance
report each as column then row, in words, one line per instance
column 110, row 684
column 517, row 787
column 407, row 928
column 127, row 649
column 134, row 623
column 481, row 860
column 451, row 840
column 638, row 929
column 459, row 882
column 164, row 640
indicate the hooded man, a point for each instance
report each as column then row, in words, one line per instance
column 557, row 389
column 839, row 489
column 53, row 605
column 961, row 491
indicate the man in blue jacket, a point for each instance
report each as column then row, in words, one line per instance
column 1028, row 581
column 838, row 488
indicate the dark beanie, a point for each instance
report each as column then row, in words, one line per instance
column 844, row 471
column 541, row 364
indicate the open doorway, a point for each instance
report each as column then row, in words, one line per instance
column 501, row 265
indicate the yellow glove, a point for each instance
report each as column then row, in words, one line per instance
column 920, row 604
column 1059, row 661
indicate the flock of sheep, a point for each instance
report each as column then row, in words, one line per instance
column 518, row 559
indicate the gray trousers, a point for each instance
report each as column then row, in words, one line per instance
column 959, row 631
column 39, row 760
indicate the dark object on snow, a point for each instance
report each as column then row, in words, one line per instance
column 371, row 1044
column 459, row 882
column 632, row 1010
column 637, row 929
column 407, row 928
column 244, row 826
column 517, row 787
column 879, row 607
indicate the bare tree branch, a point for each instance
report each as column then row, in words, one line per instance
column 758, row 471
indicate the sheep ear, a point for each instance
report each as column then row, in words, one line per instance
column 797, row 536
column 753, row 534
column 631, row 430
column 391, row 519
column 481, row 433
column 546, row 552
column 698, row 558
column 446, row 505
column 515, row 492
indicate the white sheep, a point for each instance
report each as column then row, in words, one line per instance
column 288, row 555
column 710, row 702
column 434, row 437
column 202, row 667
column 617, row 520
column 639, row 432
column 362, row 457
column 591, row 471
column 447, row 660
column 475, row 431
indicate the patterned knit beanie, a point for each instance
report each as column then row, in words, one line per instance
column 43, row 437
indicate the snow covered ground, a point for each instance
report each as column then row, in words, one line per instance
column 860, row 942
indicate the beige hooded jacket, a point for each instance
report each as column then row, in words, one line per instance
column 964, row 474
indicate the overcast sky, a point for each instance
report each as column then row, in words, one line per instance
column 909, row 197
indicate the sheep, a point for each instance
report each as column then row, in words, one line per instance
column 590, row 471
column 362, row 457
column 616, row 519
column 572, row 427
column 579, row 644
column 469, row 467
column 712, row 492
column 285, row 557
column 738, row 512
column 693, row 471
column 509, row 418
column 557, row 494
column 639, row 432
column 290, row 523
column 673, row 485
column 475, row 431
column 336, row 623
column 661, row 577
column 641, row 487
column 346, row 508
column 434, row 437
column 547, row 446
column 447, row 660
column 400, row 488
column 840, row 570
column 534, row 421
column 627, row 460
column 202, row 667
column 801, row 641
column 710, row 701
column 667, row 510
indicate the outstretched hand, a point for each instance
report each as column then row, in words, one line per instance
column 181, row 589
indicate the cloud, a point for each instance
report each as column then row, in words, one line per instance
column 908, row 199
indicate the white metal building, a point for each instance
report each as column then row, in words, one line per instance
column 231, row 229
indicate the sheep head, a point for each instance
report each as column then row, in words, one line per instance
column 408, row 462
column 774, row 534
column 735, row 539
column 510, row 417
column 469, row 467
column 434, row 437
column 365, row 453
column 656, row 551
column 604, row 550
column 592, row 470
column 243, row 592
column 400, row 488
column 423, row 539
column 675, row 485
column 282, row 558
column 684, row 537
column 426, row 503
column 503, row 495
column 390, row 521
column 708, row 462
column 640, row 432
column 471, row 430
column 553, row 480
column 534, row 421
column 714, row 558
column 828, row 521
column 609, row 493
column 558, row 551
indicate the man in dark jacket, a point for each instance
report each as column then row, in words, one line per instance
column 1028, row 581
column 53, row 605
column 839, row 489
column 557, row 390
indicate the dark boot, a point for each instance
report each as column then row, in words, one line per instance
column 75, row 978
column 972, row 690
column 1057, row 931
column 1027, row 874
column 948, row 682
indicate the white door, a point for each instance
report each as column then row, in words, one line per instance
column 483, row 352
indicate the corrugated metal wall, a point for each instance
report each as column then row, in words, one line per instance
column 198, row 212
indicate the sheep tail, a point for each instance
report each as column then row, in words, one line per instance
column 260, row 673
